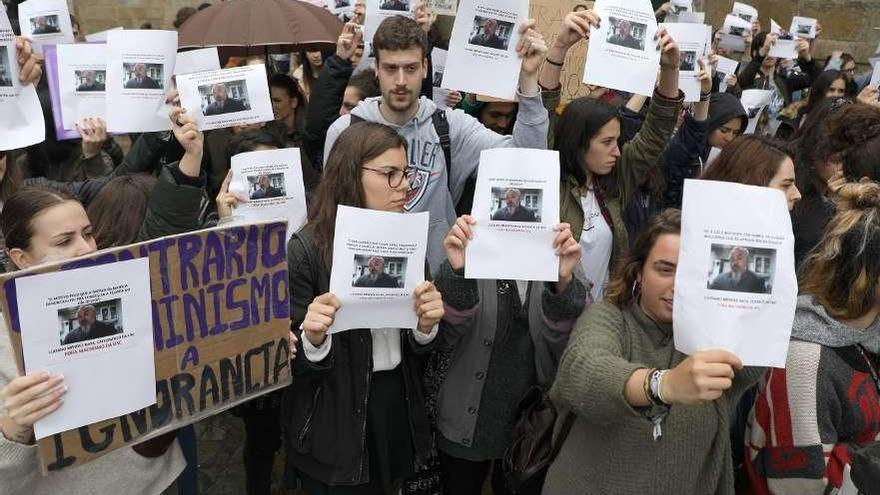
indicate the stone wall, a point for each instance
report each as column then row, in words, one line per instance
column 98, row 15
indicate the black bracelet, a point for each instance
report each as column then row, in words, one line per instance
column 551, row 62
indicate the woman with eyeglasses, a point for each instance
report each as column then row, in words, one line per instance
column 354, row 419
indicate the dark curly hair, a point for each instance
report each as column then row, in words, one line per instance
column 854, row 140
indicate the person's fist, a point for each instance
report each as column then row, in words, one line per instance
column 319, row 317
column 428, row 305
column 704, row 376
column 457, row 239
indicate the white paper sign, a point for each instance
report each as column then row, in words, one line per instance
column 101, row 35
column 482, row 50
column 516, row 206
column 438, row 63
column 735, row 286
column 227, row 97
column 785, row 45
column 875, row 76
column 443, row 7
column 745, row 12
column 45, row 22
column 691, row 17
column 199, row 60
column 754, row 101
column 138, row 77
column 681, row 6
column 272, row 183
column 726, row 67
column 345, row 7
column 803, row 27
column 694, row 41
column 378, row 260
column 378, row 10
column 82, row 76
column 94, row 325
column 622, row 53
column 21, row 117
column 734, row 32
column 873, row 59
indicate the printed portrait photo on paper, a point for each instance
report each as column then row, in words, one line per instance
column 90, row 80
column 5, row 68
column 753, row 112
column 745, row 17
column 737, row 30
column 143, row 75
column 45, row 24
column 265, row 186
column 398, row 5
column 378, row 272
column 489, row 32
column 224, row 97
column 90, row 321
column 511, row 204
column 739, row 268
column 437, row 80
column 688, row 60
column 785, row 35
column 804, row 29
column 678, row 9
column 626, row 33
column 342, row 3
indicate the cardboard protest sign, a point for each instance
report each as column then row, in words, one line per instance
column 549, row 15
column 221, row 319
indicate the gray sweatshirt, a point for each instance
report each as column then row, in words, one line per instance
column 468, row 137
column 121, row 471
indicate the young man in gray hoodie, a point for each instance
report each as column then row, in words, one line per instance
column 401, row 48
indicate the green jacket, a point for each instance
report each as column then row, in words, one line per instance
column 637, row 157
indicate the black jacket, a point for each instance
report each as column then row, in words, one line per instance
column 324, row 411
column 324, row 106
column 751, row 77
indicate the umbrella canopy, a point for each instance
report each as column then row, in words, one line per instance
column 257, row 27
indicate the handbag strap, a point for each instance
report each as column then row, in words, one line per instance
column 874, row 374
column 567, row 423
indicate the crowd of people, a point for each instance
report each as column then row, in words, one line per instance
column 439, row 408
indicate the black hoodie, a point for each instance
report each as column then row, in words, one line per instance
column 724, row 107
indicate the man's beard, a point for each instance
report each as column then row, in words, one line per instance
column 399, row 106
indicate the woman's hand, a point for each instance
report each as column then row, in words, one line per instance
column 28, row 399
column 424, row 18
column 670, row 55
column 835, row 182
column 94, row 134
column 457, row 239
column 428, row 305
column 869, row 96
column 190, row 138
column 319, row 317
column 663, row 10
column 803, row 49
column 569, row 252
column 531, row 48
column 769, row 41
column 731, row 80
column 702, row 377
column 453, row 98
column 227, row 201
column 348, row 41
column 705, row 76
column 291, row 341
column 575, row 27
column 30, row 64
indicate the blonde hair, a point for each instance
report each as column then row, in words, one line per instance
column 843, row 270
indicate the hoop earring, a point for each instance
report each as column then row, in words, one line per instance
column 636, row 291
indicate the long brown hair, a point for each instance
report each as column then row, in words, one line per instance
column 13, row 178
column 619, row 290
column 117, row 212
column 341, row 184
column 751, row 160
column 842, row 271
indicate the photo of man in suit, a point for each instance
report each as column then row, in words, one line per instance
column 141, row 80
column 739, row 278
column 89, row 327
column 265, row 190
column 42, row 26
column 222, row 103
column 513, row 211
column 89, row 82
column 377, row 278
column 487, row 36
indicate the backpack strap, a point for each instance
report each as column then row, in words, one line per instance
column 441, row 126
column 354, row 119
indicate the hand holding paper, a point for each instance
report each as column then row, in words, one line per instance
column 94, row 134
column 569, row 252
column 532, row 49
column 319, row 317
column 190, row 138
column 702, row 377
column 575, row 27
column 348, row 41
column 30, row 62
column 428, row 306
column 457, row 240
column 28, row 399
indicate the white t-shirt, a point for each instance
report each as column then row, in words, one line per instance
column 596, row 241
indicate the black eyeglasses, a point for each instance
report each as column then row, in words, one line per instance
column 394, row 175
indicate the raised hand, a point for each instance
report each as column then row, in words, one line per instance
column 30, row 64
column 457, row 239
column 575, row 27
column 569, row 252
column 319, row 317
column 352, row 35
column 94, row 134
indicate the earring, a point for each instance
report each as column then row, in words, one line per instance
column 636, row 290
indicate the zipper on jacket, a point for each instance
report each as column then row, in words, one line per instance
column 308, row 426
column 364, row 422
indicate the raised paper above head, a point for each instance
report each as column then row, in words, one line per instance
column 694, row 42
column 82, row 81
column 226, row 97
column 691, row 17
column 199, row 60
column 623, row 53
column 726, row 67
column 516, row 206
column 269, row 184
column 101, row 35
column 681, row 6
column 443, row 7
column 378, row 260
column 803, row 27
column 735, row 285
column 45, row 22
column 754, row 101
column 94, row 326
column 438, row 65
column 482, row 50
column 21, row 117
column 378, row 10
column 745, row 12
column 785, row 45
column 345, row 7
column 138, row 78
column 734, row 32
